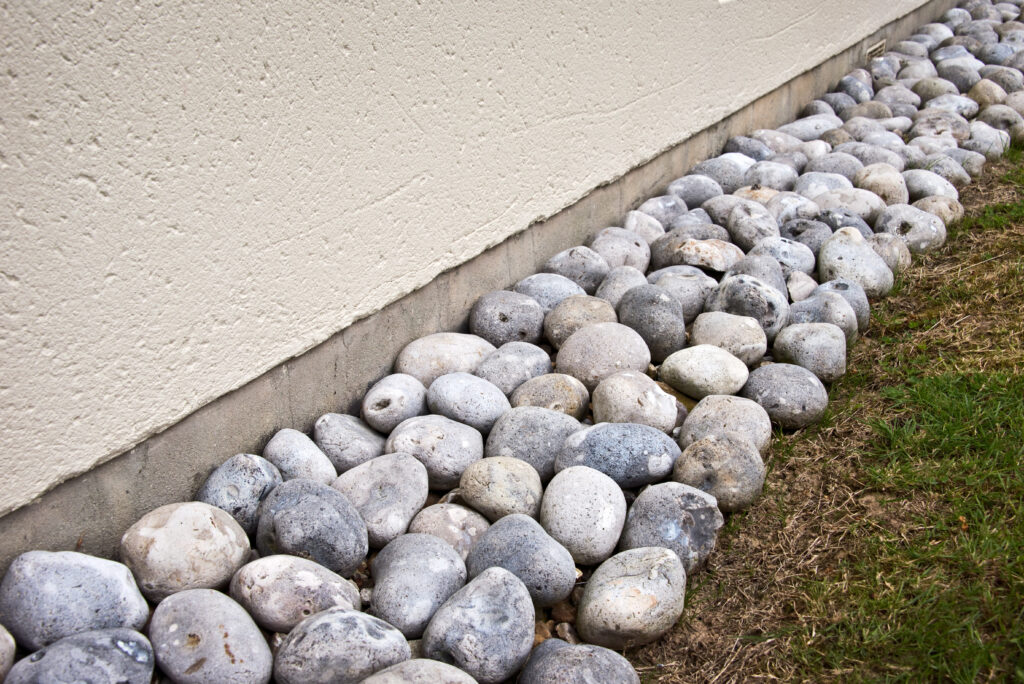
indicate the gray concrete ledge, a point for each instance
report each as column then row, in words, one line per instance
column 90, row 512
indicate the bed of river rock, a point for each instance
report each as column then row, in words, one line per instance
column 525, row 500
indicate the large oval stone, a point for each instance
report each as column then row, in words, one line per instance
column 632, row 599
column 792, row 396
column 584, row 510
column 485, row 629
column 444, row 446
column 632, row 397
column 632, row 455
column 46, row 596
column 413, row 576
column 718, row 414
column 533, row 434
column 281, row 591
column 702, row 370
column 459, row 526
column 238, row 486
column 501, row 486
column 467, row 399
column 104, row 655
column 727, row 466
column 432, row 356
column 593, row 353
column 184, row 546
column 387, row 491
column 201, row 636
column 555, row 660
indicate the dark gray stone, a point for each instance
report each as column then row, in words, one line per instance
column 808, row 232
column 201, row 636
column 747, row 228
column 825, row 307
column 818, row 347
column 755, row 149
column 631, row 454
column 725, row 465
column 94, row 657
column 281, row 591
column 296, row 456
column 792, row 396
column 348, row 441
column 556, row 661
column 413, row 576
column 502, row 316
column 391, row 400
column 238, row 486
column 677, row 517
column 387, row 491
column 657, row 316
column 582, row 265
column 745, row 295
column 338, row 646
column 584, row 510
column 842, row 218
column 512, row 364
column 485, row 629
column 46, row 596
column 307, row 519
column 764, row 267
column 533, row 434
column 520, row 545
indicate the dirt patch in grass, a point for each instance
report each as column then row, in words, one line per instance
column 788, row 595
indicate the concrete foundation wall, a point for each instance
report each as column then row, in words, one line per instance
column 197, row 192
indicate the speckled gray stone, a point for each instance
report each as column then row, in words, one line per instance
column 677, row 517
column 704, row 369
column 512, row 364
column 779, row 142
column 987, row 140
column 940, row 122
column 593, row 353
column 533, row 434
column 800, row 286
column 883, row 180
column 807, row 232
column 555, row 660
column 741, row 336
column 238, row 486
column 548, row 288
column 632, row 397
column 745, row 295
column 825, row 307
column 664, row 208
column 502, row 316
column 46, row 596
column 501, row 486
column 696, row 189
column 718, row 414
column 307, row 519
column 295, row 455
column 791, row 255
column 947, row 167
column 184, row 546
column 657, row 316
column 413, row 576
column 573, row 313
column 618, row 281
column 727, row 466
column 621, row 247
column 922, row 231
column 770, row 174
column 718, row 208
column 338, row 646
column 864, row 203
column 841, row 218
column 582, row 265
column 751, row 147
column 854, row 295
column 520, row 545
column 432, row 356
column 764, row 267
column 420, row 671
column 106, row 655
column 201, row 636
column 712, row 255
column 443, row 445
column 391, row 400
column 787, row 206
column 280, row 591
column 631, row 454
column 459, row 526
column 647, row 227
column 792, row 396
column 818, row 347
column 848, row 255
column 893, row 250
column 871, row 154
column 747, row 228
column 348, row 441
column 584, row 510
column 467, row 399
column 840, row 163
column 387, row 491
column 486, row 628
column 691, row 289
column 811, row 127
column 632, row 599
column 726, row 170
column 556, row 391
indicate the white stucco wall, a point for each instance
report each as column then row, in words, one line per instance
column 193, row 192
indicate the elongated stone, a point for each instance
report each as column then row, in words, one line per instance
column 348, row 441
column 104, row 655
column 533, row 434
column 584, row 510
column 391, row 400
column 444, row 446
column 296, row 456
column 632, row 455
column 387, row 491
column 431, row 356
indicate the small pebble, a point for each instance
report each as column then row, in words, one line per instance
column 657, row 316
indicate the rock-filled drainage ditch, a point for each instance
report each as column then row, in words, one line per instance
column 523, row 501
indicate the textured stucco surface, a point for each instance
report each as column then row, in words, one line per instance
column 191, row 193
